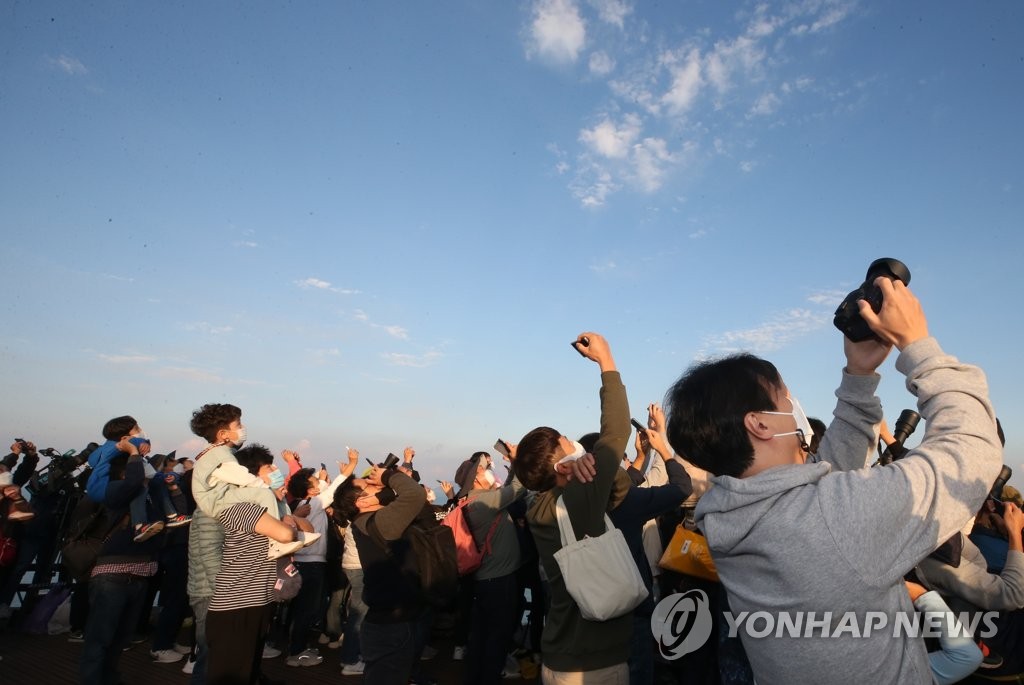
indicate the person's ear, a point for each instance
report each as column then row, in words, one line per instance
column 755, row 427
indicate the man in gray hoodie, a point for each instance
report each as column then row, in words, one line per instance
column 793, row 534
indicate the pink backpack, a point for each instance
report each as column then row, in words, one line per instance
column 468, row 556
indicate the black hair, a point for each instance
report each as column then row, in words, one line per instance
column 588, row 441
column 819, row 428
column 210, row 418
column 254, row 456
column 298, row 484
column 345, row 508
column 118, row 427
column 706, row 408
column 533, row 464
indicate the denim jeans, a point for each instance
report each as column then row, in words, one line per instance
column 115, row 602
column 307, row 604
column 492, row 625
column 200, row 607
column 388, row 650
column 350, row 653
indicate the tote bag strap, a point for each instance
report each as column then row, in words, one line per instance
column 565, row 531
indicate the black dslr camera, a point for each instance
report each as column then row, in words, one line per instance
column 848, row 318
column 996, row 494
column 906, row 424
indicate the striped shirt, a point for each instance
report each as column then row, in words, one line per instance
column 246, row 577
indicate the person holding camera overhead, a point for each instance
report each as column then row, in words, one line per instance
column 793, row 534
column 381, row 508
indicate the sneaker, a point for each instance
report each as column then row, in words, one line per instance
column 190, row 664
column 511, row 669
column 459, row 653
column 989, row 659
column 353, row 669
column 145, row 531
column 76, row 636
column 175, row 520
column 270, row 652
column 21, row 515
column 283, row 549
column 166, row 656
column 428, row 653
column 181, row 649
column 310, row 657
column 334, row 644
column 309, row 538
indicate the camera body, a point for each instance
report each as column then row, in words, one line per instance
column 847, row 318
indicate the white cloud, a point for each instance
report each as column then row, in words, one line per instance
column 360, row 315
column 612, row 12
column 827, row 298
column 601, row 64
column 314, row 283
column 593, row 186
column 397, row 332
column 127, row 358
column 69, row 65
column 318, row 284
column 742, row 55
column 746, row 166
column 650, row 159
column 303, row 445
column 246, row 243
column 413, row 360
column 604, row 267
column 765, row 105
column 324, row 356
column 699, row 233
column 558, row 32
column 609, row 140
column 561, row 168
column 686, row 83
column 768, row 336
column 823, row 15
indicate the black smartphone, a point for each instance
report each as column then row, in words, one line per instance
column 502, row 447
column 641, row 428
column 584, row 341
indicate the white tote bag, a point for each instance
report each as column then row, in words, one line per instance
column 599, row 573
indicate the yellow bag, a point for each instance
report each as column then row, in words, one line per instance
column 687, row 552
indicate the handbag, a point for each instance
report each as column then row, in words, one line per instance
column 289, row 580
column 599, row 572
column 688, row 553
column 79, row 554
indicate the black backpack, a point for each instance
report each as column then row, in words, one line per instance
column 433, row 548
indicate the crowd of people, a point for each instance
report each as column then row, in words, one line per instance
column 270, row 563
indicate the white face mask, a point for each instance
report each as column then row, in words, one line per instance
column 803, row 426
column 577, row 452
column 179, row 469
column 489, row 477
column 241, row 437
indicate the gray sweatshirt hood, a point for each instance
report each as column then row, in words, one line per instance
column 730, row 509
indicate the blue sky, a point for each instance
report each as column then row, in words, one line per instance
column 380, row 224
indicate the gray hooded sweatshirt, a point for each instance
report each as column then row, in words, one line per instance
column 834, row 536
